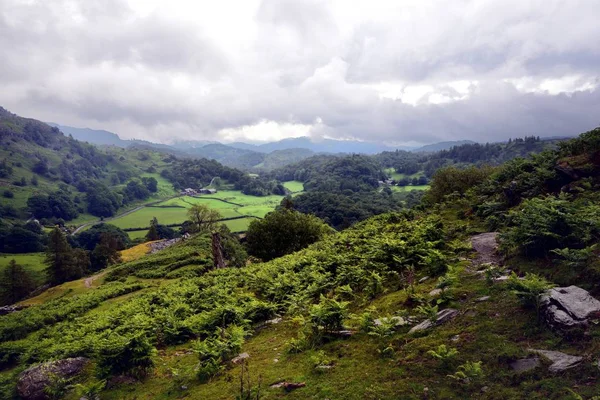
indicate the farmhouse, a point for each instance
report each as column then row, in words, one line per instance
column 207, row 191
column 189, row 192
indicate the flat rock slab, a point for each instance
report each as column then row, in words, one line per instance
column 483, row 298
column 442, row 317
column 525, row 364
column 485, row 244
column 560, row 361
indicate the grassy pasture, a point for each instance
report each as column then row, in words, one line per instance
column 229, row 203
column 294, row 186
column 391, row 172
column 400, row 189
column 32, row 262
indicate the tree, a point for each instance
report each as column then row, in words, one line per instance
column 15, row 284
column 90, row 238
column 62, row 262
column 153, row 231
column 106, row 252
column 282, row 232
column 204, row 217
column 151, row 184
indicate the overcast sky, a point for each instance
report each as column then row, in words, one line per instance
column 400, row 72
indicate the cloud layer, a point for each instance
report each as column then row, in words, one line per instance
column 411, row 71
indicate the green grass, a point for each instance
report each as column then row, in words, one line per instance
column 238, row 225
column 32, row 262
column 409, row 188
column 137, row 234
column 141, row 218
column 397, row 176
column 294, row 186
column 229, row 203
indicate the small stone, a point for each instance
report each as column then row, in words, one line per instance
column 240, row 357
column 435, row 292
column 274, row 321
column 184, row 387
column 483, row 298
column 455, row 338
column 423, row 279
column 276, row 360
column 485, row 389
column 442, row 317
column 525, row 364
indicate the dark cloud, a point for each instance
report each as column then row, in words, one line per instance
column 176, row 73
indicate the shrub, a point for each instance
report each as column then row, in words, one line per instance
column 529, row 289
column 133, row 356
column 543, row 224
column 443, row 353
column 468, row 373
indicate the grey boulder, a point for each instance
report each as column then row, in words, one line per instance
column 568, row 308
column 34, row 380
column 560, row 361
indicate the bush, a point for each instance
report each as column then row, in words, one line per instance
column 8, row 194
column 543, row 224
column 283, row 232
column 133, row 356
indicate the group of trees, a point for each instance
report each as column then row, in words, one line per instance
column 199, row 173
column 21, row 238
column 58, row 205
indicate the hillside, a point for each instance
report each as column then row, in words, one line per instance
column 439, row 302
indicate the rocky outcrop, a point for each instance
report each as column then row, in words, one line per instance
column 162, row 244
column 11, row 309
column 486, row 246
column 442, row 317
column 568, row 309
column 32, row 381
column 560, row 361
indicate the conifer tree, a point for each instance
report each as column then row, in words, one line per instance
column 153, row 231
column 62, row 262
column 15, row 283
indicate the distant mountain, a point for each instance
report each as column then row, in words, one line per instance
column 93, row 136
column 192, row 144
column 320, row 146
column 430, row 148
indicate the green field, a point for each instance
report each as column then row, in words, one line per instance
column 294, row 186
column 238, row 225
column 400, row 189
column 229, row 203
column 32, row 262
column 141, row 218
column 391, row 172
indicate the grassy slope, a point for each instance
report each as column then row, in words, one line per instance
column 494, row 332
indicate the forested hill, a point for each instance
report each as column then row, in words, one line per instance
column 463, row 155
column 59, row 180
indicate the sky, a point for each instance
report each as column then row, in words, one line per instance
column 401, row 72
